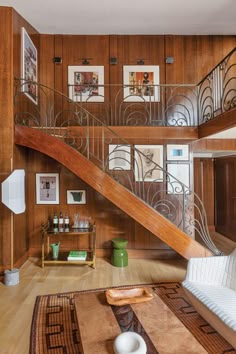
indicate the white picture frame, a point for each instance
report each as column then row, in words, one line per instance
column 119, row 157
column 29, row 66
column 47, row 188
column 145, row 170
column 76, row 196
column 177, row 152
column 140, row 83
column 81, row 80
column 181, row 172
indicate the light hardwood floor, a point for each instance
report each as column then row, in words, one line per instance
column 17, row 302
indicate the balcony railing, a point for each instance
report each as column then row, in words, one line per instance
column 141, row 171
column 139, row 105
column 161, row 105
column 217, row 91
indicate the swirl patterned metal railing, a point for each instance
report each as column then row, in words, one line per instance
column 132, row 105
column 138, row 168
column 217, row 91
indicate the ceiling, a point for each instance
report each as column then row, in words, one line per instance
column 186, row 17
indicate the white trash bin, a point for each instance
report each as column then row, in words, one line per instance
column 11, row 277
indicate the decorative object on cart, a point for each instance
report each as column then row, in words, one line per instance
column 119, row 157
column 141, row 83
column 77, row 255
column 86, row 84
column 55, row 222
column 61, row 222
column 67, row 223
column 148, row 163
column 47, row 188
column 81, row 222
column 76, row 196
column 29, row 70
column 177, row 152
column 55, row 250
column 76, row 221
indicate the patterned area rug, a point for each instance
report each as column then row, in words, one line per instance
column 54, row 327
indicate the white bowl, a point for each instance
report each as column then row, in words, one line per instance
column 129, row 343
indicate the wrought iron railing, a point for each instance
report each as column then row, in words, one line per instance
column 141, row 169
column 139, row 105
column 217, row 91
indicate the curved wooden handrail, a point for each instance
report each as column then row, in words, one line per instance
column 110, row 189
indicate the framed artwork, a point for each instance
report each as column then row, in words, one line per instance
column 177, row 152
column 29, row 69
column 148, row 160
column 138, row 81
column 76, row 196
column 181, row 172
column 84, row 83
column 47, row 188
column 119, row 157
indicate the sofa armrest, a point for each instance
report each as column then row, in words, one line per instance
column 208, row 270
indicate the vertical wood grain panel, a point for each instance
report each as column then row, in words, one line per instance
column 6, row 124
column 204, row 186
column 225, row 195
column 20, row 157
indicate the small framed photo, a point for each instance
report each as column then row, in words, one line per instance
column 181, row 172
column 119, row 157
column 140, row 83
column 76, row 196
column 47, row 188
column 177, row 152
column 86, row 83
column 29, row 70
column 148, row 163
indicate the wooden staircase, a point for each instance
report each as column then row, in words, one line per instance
column 112, row 190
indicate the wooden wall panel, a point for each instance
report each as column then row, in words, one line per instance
column 204, row 186
column 6, row 125
column 10, row 156
column 20, row 160
column 195, row 56
column 225, row 195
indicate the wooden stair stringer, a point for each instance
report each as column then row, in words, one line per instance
column 112, row 190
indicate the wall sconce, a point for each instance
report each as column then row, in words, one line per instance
column 113, row 60
column 169, row 60
column 85, row 61
column 57, row 60
column 13, row 192
column 140, row 61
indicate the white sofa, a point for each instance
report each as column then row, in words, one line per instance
column 210, row 285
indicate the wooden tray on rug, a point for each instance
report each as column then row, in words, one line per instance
column 120, row 297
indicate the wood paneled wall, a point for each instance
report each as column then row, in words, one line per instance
column 6, row 125
column 204, row 186
column 193, row 56
column 225, row 195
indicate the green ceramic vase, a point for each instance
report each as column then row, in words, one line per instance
column 55, row 250
column 119, row 255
